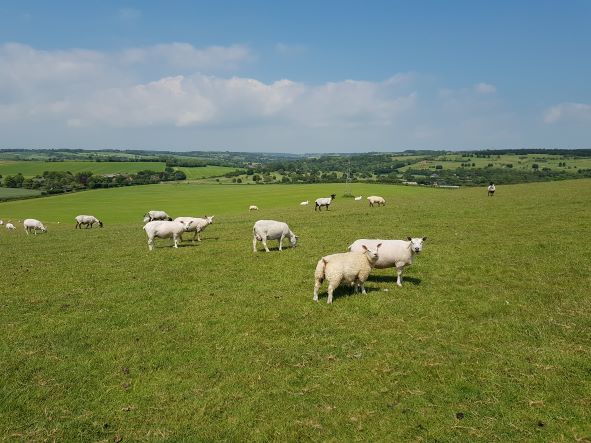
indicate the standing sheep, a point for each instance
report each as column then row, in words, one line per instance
column 394, row 253
column 376, row 200
column 350, row 267
column 264, row 230
column 197, row 225
column 156, row 215
column 165, row 229
column 87, row 220
column 325, row 201
column 31, row 224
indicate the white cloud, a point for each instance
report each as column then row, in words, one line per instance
column 485, row 88
column 573, row 112
column 289, row 49
column 129, row 14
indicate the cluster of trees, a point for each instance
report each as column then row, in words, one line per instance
column 57, row 182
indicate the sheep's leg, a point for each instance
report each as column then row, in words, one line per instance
column 198, row 236
column 27, row 231
column 150, row 243
column 77, row 224
column 254, row 244
column 265, row 244
column 399, row 279
column 176, row 241
column 331, row 287
column 194, row 235
column 317, row 285
column 362, row 287
column 281, row 242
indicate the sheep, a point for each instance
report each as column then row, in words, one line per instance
column 358, row 198
column 320, row 202
column 165, row 229
column 264, row 230
column 351, row 267
column 30, row 224
column 87, row 220
column 253, row 208
column 394, row 253
column 304, row 203
column 197, row 225
column 10, row 226
column 156, row 215
column 376, row 200
column 1, row 222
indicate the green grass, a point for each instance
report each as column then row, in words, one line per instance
column 488, row 340
column 33, row 168
column 205, row 172
column 10, row 193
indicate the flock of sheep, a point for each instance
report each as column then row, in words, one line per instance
column 352, row 267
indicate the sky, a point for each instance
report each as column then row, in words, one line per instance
column 299, row 77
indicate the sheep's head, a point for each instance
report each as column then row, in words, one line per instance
column 43, row 229
column 416, row 243
column 333, row 196
column 100, row 224
column 169, row 218
column 187, row 225
column 209, row 219
column 293, row 240
column 146, row 218
column 372, row 254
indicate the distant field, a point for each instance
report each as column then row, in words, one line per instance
column 32, row 168
column 205, row 172
column 9, row 193
column 488, row 340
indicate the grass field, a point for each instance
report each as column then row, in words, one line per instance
column 488, row 340
column 10, row 193
column 33, row 168
column 205, row 172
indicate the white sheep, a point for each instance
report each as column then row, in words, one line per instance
column 264, row 230
column 1, row 222
column 31, row 224
column 358, row 198
column 376, row 200
column 165, row 229
column 350, row 267
column 10, row 226
column 197, row 225
column 156, row 215
column 325, row 201
column 304, row 203
column 394, row 253
column 253, row 208
column 87, row 220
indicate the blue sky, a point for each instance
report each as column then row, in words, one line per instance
column 331, row 76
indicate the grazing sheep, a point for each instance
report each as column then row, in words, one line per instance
column 165, row 229
column 264, row 230
column 326, row 201
column 358, row 198
column 10, row 226
column 304, row 203
column 30, row 224
column 491, row 189
column 87, row 220
column 394, row 253
column 1, row 222
column 350, row 267
column 197, row 225
column 253, row 208
column 376, row 200
column 156, row 215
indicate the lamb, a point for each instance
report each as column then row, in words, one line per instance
column 31, row 224
column 326, row 201
column 87, row 220
column 197, row 225
column 304, row 203
column 394, row 253
column 156, row 215
column 10, row 226
column 264, row 230
column 351, row 267
column 253, row 208
column 358, row 198
column 165, row 229
column 376, row 200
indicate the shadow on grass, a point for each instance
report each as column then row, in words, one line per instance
column 344, row 292
column 388, row 279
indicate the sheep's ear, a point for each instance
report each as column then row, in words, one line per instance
column 378, row 246
column 424, row 238
column 409, row 238
column 364, row 247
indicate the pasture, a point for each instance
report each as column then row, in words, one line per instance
column 10, row 193
column 489, row 339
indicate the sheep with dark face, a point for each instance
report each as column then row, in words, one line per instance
column 325, row 201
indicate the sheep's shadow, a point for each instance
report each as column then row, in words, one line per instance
column 388, row 279
column 344, row 292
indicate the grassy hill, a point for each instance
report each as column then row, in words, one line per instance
column 488, row 340
column 33, row 168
